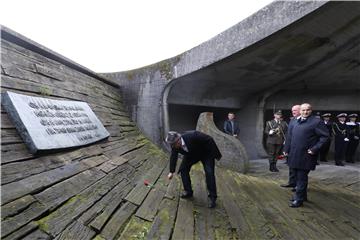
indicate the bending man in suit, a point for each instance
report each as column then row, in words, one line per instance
column 306, row 137
column 195, row 146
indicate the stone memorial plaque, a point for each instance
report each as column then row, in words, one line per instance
column 46, row 124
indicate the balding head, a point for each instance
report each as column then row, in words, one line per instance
column 295, row 110
column 305, row 110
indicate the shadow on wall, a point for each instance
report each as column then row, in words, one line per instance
column 234, row 153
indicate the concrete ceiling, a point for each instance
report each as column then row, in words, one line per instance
column 319, row 52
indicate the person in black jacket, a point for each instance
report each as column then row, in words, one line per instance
column 195, row 146
column 353, row 129
column 325, row 148
column 340, row 132
column 230, row 125
column 306, row 137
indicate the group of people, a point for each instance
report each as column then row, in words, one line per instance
column 345, row 133
column 301, row 141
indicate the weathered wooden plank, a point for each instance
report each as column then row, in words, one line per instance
column 38, row 235
column 113, row 228
column 11, row 224
column 16, row 206
column 6, row 122
column 61, row 192
column 149, row 207
column 14, row 152
column 22, row 232
column 163, row 224
column 36, row 182
column 58, row 220
column 10, row 136
column 140, row 191
column 112, row 164
column 101, row 211
column 76, row 230
column 237, row 219
column 274, row 204
column 19, row 170
column 184, row 225
column 204, row 217
column 136, row 229
column 257, row 225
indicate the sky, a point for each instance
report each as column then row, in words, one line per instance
column 119, row 35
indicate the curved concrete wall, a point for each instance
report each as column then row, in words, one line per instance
column 287, row 45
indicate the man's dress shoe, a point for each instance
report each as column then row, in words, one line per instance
column 186, row 195
column 296, row 204
column 212, row 203
column 287, row 185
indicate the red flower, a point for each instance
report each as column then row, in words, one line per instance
column 281, row 157
column 146, row 182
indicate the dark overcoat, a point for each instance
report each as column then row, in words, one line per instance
column 304, row 135
column 201, row 147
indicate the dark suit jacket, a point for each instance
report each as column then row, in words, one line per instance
column 310, row 134
column 200, row 146
column 228, row 128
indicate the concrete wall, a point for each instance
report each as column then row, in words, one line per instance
column 146, row 90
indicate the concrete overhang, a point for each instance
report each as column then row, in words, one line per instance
column 317, row 53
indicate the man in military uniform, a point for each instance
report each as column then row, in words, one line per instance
column 341, row 138
column 353, row 129
column 325, row 148
column 275, row 131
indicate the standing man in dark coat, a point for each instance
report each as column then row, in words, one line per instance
column 276, row 130
column 295, row 111
column 230, row 125
column 306, row 137
column 195, row 146
column 325, row 148
column 354, row 135
column 341, row 138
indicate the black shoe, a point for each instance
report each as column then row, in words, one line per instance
column 287, row 185
column 295, row 204
column 275, row 169
column 212, row 203
column 293, row 199
column 186, row 195
column 323, row 160
column 293, row 189
column 339, row 164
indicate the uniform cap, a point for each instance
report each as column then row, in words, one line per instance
column 341, row 115
column 353, row 115
column 279, row 112
column 326, row 115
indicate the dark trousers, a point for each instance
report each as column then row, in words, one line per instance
column 340, row 148
column 292, row 177
column 301, row 183
column 209, row 168
column 273, row 150
column 324, row 150
column 350, row 150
